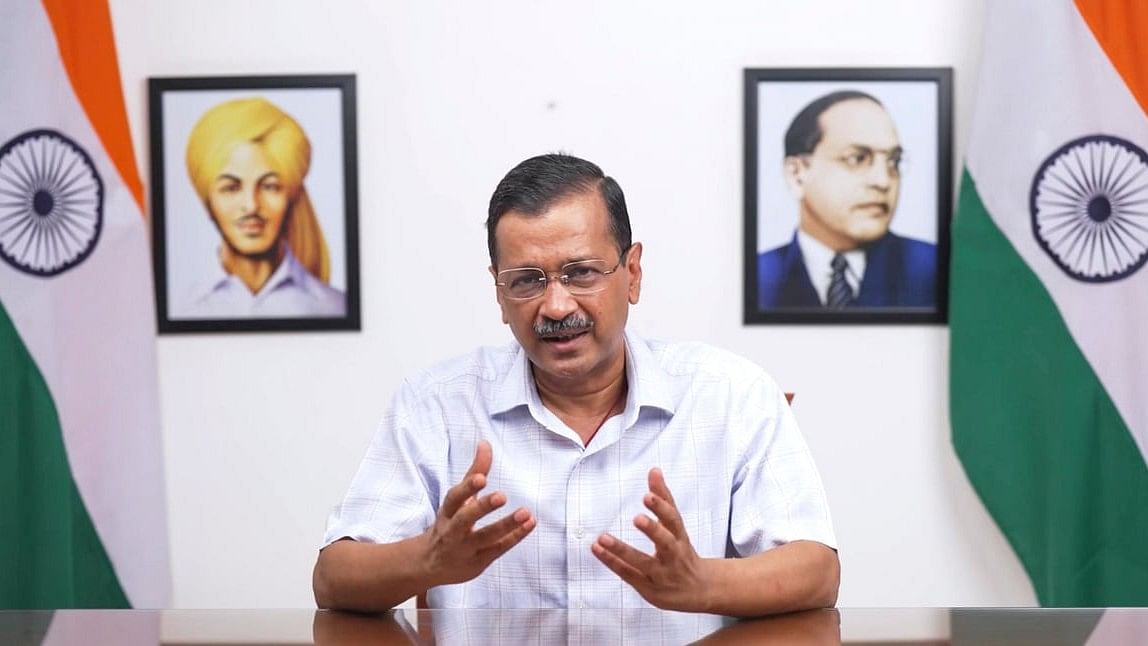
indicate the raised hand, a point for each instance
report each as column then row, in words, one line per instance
column 456, row 551
column 672, row 577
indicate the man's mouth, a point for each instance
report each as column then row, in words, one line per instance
column 564, row 335
column 251, row 224
column 880, row 207
column 567, row 330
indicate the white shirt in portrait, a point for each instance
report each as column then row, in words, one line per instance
column 291, row 291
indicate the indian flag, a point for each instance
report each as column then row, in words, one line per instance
column 82, row 521
column 1049, row 301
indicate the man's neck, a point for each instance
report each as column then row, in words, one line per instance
column 252, row 271
column 584, row 408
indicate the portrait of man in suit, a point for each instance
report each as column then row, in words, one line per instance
column 843, row 162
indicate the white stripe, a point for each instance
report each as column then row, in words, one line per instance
column 1044, row 80
column 70, row 627
column 1119, row 626
column 91, row 330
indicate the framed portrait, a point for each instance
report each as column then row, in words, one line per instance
column 254, row 203
column 848, row 191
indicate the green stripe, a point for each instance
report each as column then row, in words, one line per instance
column 1039, row 438
column 25, row 628
column 50, row 555
column 979, row 626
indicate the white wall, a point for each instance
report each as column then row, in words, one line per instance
column 262, row 432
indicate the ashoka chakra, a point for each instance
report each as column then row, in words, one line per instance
column 51, row 203
column 1089, row 205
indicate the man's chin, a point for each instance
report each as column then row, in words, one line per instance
column 869, row 235
column 571, row 362
column 254, row 251
column 561, row 370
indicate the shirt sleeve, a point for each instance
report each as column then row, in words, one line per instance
column 777, row 494
column 395, row 493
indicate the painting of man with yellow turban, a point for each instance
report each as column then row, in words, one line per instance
column 247, row 161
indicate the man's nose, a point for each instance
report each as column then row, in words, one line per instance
column 557, row 301
column 880, row 176
column 249, row 202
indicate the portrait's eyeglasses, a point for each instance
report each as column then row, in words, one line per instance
column 859, row 159
column 862, row 158
column 579, row 278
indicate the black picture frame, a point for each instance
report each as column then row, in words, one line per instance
column 777, row 287
column 187, row 241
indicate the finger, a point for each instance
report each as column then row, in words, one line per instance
column 483, row 458
column 475, row 508
column 657, row 481
column 509, row 539
column 618, row 565
column 457, row 495
column 638, row 560
column 664, row 540
column 472, row 482
column 667, row 514
column 490, row 535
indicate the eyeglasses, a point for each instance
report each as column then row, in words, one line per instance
column 579, row 278
column 862, row 158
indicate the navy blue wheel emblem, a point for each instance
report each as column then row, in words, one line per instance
column 51, row 203
column 1089, row 205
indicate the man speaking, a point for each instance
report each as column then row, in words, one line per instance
column 632, row 472
column 843, row 164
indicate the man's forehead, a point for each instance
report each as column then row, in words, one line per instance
column 569, row 230
column 858, row 122
column 549, row 258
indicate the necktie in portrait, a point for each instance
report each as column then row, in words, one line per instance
column 839, row 294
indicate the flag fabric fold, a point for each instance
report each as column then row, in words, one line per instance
column 1049, row 295
column 83, row 522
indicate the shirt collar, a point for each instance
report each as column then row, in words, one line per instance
column 289, row 272
column 648, row 384
column 514, row 388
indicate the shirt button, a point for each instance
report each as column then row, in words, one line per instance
column 579, row 533
column 581, row 605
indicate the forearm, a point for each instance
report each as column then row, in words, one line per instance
column 795, row 576
column 351, row 575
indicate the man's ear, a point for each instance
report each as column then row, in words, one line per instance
column 498, row 294
column 634, row 273
column 793, row 168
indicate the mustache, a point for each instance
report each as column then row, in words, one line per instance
column 571, row 324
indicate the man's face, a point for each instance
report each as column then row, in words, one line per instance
column 575, row 228
column 248, row 202
column 848, row 186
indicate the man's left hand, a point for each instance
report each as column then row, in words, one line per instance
column 673, row 577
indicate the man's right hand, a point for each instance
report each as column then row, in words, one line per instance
column 456, row 551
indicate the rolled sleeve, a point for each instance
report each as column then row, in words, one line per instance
column 394, row 494
column 777, row 496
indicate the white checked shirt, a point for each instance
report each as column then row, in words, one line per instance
column 716, row 424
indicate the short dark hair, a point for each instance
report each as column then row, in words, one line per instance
column 533, row 186
column 805, row 132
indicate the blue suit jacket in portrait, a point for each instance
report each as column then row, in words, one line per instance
column 899, row 272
